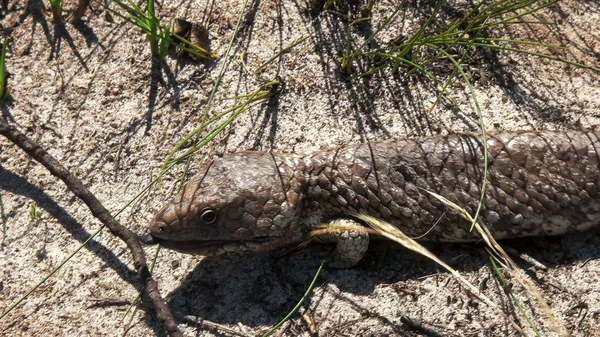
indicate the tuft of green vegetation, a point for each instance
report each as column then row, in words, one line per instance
column 428, row 46
column 161, row 37
column 4, row 92
column 56, row 6
column 35, row 215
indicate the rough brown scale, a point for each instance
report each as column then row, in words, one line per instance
column 540, row 183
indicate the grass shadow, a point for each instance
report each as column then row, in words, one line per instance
column 156, row 79
column 60, row 34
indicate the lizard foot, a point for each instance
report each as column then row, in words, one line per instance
column 351, row 244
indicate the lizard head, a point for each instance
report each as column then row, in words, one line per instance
column 238, row 205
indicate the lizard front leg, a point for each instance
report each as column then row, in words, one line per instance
column 351, row 244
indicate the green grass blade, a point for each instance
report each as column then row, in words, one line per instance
column 189, row 47
column 258, row 95
column 299, row 304
column 512, row 18
column 152, row 25
column 56, row 7
column 481, row 125
column 3, row 82
column 47, row 277
column 283, row 51
column 513, row 297
column 165, row 42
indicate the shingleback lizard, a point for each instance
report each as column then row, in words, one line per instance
column 540, row 183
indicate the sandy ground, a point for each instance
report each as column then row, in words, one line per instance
column 94, row 98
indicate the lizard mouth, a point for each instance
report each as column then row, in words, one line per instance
column 218, row 247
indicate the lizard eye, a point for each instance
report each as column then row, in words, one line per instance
column 208, row 216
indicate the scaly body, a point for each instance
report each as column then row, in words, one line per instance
column 540, row 183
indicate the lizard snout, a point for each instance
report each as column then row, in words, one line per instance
column 147, row 239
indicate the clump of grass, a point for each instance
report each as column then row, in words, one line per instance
column 428, row 45
column 35, row 215
column 56, row 6
column 4, row 92
column 161, row 37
